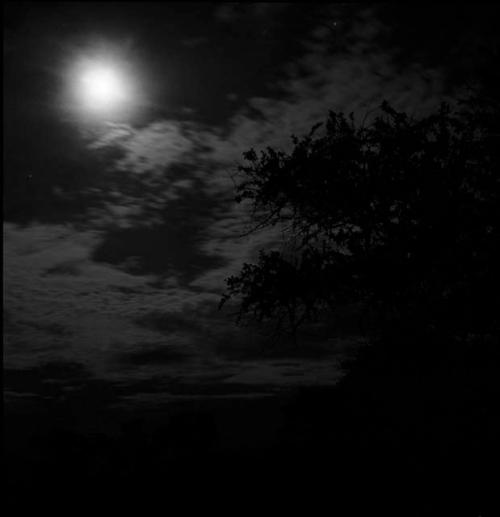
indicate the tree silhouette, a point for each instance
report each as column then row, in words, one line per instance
column 400, row 216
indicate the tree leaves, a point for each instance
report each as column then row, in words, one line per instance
column 392, row 215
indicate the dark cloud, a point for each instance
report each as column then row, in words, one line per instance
column 159, row 250
column 169, row 322
column 153, row 354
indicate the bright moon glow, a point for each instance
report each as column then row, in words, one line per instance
column 101, row 87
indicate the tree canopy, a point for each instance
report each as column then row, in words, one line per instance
column 400, row 215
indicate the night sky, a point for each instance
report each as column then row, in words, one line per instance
column 120, row 227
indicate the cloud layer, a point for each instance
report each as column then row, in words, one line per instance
column 133, row 291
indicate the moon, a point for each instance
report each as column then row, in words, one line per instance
column 102, row 87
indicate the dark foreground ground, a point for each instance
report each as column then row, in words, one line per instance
column 399, row 435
